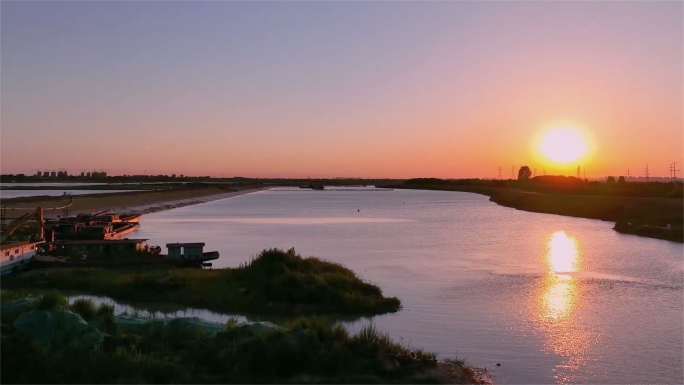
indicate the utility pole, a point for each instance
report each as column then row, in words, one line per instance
column 499, row 176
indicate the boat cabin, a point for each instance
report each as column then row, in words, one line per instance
column 98, row 247
column 184, row 251
column 15, row 255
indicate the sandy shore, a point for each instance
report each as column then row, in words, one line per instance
column 142, row 202
column 172, row 204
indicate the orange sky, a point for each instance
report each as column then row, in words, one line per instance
column 365, row 90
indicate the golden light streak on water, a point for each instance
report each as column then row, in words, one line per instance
column 557, row 301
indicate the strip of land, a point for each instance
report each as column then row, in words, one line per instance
column 138, row 202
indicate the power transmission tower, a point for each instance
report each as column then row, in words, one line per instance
column 512, row 172
column 674, row 171
column 628, row 174
column 578, row 172
column 534, row 173
column 646, row 173
column 499, row 176
column 585, row 173
column 544, row 172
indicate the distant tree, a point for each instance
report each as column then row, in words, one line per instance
column 181, row 176
column 610, row 179
column 621, row 179
column 524, row 173
column 173, row 175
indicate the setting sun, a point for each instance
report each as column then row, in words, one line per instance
column 563, row 145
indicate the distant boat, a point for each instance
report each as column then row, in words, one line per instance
column 314, row 186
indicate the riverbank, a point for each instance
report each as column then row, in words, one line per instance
column 647, row 217
column 87, row 187
column 139, row 202
column 274, row 283
column 46, row 340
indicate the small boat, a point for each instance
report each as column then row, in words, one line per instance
column 190, row 254
column 131, row 218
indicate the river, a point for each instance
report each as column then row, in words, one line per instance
column 551, row 299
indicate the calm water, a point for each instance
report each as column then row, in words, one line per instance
column 550, row 298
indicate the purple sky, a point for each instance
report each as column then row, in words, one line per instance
column 445, row 89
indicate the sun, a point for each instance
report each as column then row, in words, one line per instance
column 563, row 145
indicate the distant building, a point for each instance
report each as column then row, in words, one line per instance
column 53, row 174
column 88, row 175
column 82, row 174
column 46, row 174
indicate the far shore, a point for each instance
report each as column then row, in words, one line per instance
column 647, row 217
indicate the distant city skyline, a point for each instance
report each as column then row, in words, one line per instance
column 375, row 89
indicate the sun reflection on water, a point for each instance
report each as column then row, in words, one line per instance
column 563, row 254
column 556, row 302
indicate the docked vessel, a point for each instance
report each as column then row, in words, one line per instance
column 17, row 255
column 116, row 253
column 97, row 240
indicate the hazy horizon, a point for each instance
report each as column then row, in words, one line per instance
column 380, row 89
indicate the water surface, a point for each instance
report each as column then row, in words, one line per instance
column 553, row 299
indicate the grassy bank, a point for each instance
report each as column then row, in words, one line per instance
column 303, row 351
column 276, row 282
column 645, row 216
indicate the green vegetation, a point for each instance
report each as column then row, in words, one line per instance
column 649, row 209
column 275, row 282
column 304, row 351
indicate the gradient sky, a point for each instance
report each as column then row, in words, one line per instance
column 379, row 89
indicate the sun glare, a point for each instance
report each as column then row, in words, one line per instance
column 563, row 145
